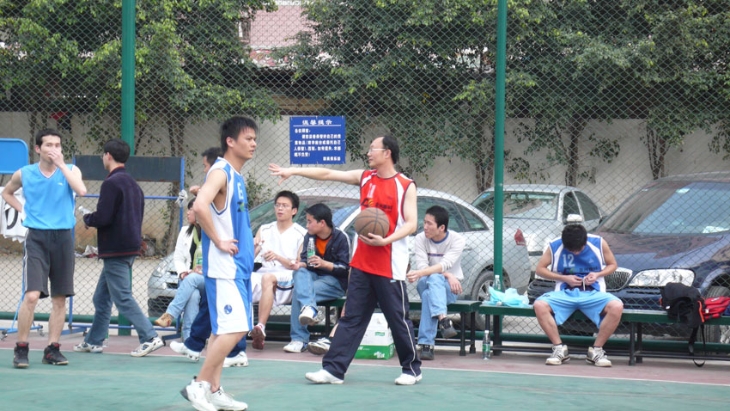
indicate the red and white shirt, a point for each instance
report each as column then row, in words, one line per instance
column 387, row 194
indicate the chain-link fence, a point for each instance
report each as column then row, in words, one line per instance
column 604, row 96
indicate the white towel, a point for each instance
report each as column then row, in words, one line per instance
column 10, row 222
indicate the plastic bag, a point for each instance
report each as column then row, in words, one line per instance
column 509, row 297
column 182, row 197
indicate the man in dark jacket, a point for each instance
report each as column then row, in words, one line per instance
column 320, row 277
column 118, row 220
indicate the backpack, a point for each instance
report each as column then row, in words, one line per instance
column 715, row 307
column 685, row 305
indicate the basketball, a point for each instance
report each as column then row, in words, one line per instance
column 372, row 220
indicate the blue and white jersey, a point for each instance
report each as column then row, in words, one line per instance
column 232, row 222
column 590, row 260
column 49, row 201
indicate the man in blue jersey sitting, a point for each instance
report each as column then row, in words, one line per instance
column 577, row 262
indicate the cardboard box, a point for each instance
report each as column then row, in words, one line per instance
column 377, row 343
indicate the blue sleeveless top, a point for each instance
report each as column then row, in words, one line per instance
column 590, row 260
column 49, row 201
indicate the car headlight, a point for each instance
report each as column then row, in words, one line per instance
column 159, row 271
column 163, row 267
column 660, row 278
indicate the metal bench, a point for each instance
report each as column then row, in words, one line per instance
column 634, row 318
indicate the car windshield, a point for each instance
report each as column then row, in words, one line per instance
column 341, row 209
column 521, row 204
column 674, row 207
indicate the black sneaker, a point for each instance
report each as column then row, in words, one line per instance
column 447, row 328
column 427, row 352
column 20, row 360
column 52, row 355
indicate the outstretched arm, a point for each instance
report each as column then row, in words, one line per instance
column 316, row 173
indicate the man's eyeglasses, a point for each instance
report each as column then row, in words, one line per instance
column 280, row 205
column 376, row 149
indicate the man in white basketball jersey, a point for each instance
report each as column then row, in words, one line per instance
column 222, row 212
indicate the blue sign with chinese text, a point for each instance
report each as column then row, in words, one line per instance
column 316, row 140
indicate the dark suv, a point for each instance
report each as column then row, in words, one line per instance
column 675, row 229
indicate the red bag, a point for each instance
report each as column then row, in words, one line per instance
column 715, row 307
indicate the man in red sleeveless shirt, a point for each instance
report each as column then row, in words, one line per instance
column 378, row 267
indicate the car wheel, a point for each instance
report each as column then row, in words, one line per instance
column 480, row 292
column 717, row 333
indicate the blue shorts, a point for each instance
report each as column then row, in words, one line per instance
column 565, row 302
column 229, row 305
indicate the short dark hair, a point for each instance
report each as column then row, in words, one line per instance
column 46, row 132
column 211, row 154
column 574, row 237
column 440, row 215
column 320, row 212
column 233, row 127
column 118, row 149
column 291, row 196
column 390, row 143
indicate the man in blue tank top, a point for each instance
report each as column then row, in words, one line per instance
column 577, row 262
column 48, row 186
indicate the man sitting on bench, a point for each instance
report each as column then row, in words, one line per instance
column 319, row 277
column 278, row 246
column 439, row 275
column 577, row 262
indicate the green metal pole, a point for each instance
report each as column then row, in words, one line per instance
column 499, row 117
column 128, row 67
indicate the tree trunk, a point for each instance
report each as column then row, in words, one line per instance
column 575, row 129
column 484, row 165
column 175, row 133
column 657, row 150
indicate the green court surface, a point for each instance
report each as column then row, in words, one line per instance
column 120, row 382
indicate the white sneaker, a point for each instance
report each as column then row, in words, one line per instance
column 320, row 347
column 408, row 379
column 241, row 360
column 84, row 347
column 559, row 355
column 199, row 395
column 597, row 357
column 181, row 349
column 295, row 347
column 223, row 401
column 308, row 316
column 147, row 347
column 322, row 377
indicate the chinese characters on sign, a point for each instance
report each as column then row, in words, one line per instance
column 316, row 140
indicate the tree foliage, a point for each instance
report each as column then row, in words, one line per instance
column 424, row 71
column 191, row 63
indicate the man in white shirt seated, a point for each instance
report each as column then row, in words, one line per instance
column 278, row 246
column 438, row 272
